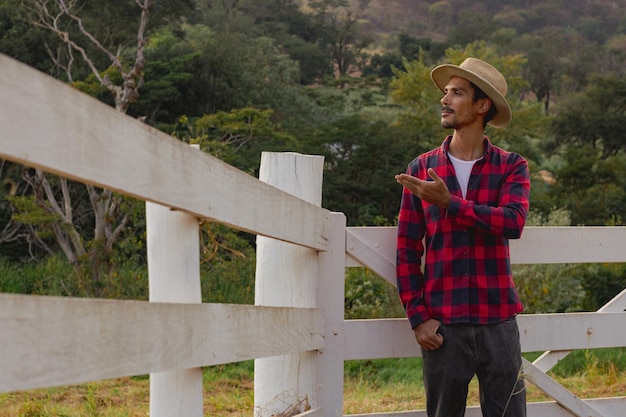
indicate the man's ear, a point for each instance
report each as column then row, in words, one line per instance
column 484, row 104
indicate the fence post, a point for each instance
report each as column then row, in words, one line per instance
column 330, row 298
column 173, row 245
column 286, row 276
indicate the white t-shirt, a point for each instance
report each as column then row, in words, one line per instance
column 463, row 171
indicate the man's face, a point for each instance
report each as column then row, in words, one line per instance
column 458, row 108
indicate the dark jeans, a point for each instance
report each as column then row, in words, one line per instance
column 492, row 353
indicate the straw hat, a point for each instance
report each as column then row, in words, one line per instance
column 483, row 75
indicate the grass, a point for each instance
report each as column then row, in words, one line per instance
column 384, row 385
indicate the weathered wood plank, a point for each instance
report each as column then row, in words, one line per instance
column 51, row 341
column 608, row 407
column 550, row 358
column 394, row 339
column 566, row 399
column 374, row 247
column 538, row 245
column 546, row 245
column 539, row 332
column 49, row 125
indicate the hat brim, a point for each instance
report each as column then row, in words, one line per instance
column 442, row 74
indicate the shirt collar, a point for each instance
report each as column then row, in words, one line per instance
column 487, row 143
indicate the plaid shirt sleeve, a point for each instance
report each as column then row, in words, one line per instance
column 465, row 275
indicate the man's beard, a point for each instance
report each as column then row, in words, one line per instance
column 447, row 123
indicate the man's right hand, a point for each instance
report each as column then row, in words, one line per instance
column 427, row 336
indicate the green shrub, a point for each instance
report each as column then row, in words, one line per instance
column 581, row 362
column 369, row 297
column 52, row 276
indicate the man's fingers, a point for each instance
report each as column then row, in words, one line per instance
column 434, row 175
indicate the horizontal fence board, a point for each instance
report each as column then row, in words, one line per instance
column 375, row 247
column 51, row 126
column 548, row 245
column 51, row 341
column 571, row 331
column 394, row 339
column 608, row 407
column 539, row 332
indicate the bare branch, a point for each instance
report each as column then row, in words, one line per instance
column 56, row 59
column 118, row 230
column 52, row 22
column 41, row 183
column 59, row 17
column 79, row 22
column 127, row 93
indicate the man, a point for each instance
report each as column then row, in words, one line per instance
column 461, row 203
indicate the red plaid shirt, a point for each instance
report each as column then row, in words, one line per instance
column 467, row 271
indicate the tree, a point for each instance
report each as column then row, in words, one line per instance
column 595, row 117
column 89, row 253
column 361, row 157
column 593, row 189
column 18, row 239
column 341, row 35
column 195, row 70
column 471, row 25
column 23, row 41
column 237, row 137
column 381, row 66
column 63, row 14
column 295, row 31
column 590, row 180
column 545, row 62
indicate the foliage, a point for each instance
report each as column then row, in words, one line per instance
column 207, row 71
column 340, row 34
column 381, row 66
column 227, row 265
column 601, row 283
column 594, row 117
column 592, row 362
column 53, row 276
column 369, row 296
column 24, row 41
column 552, row 288
column 361, row 157
column 590, row 186
column 413, row 90
column 237, row 137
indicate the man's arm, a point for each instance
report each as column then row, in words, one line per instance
column 410, row 249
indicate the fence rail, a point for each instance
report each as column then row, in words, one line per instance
column 50, row 341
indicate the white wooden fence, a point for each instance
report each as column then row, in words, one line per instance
column 296, row 331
